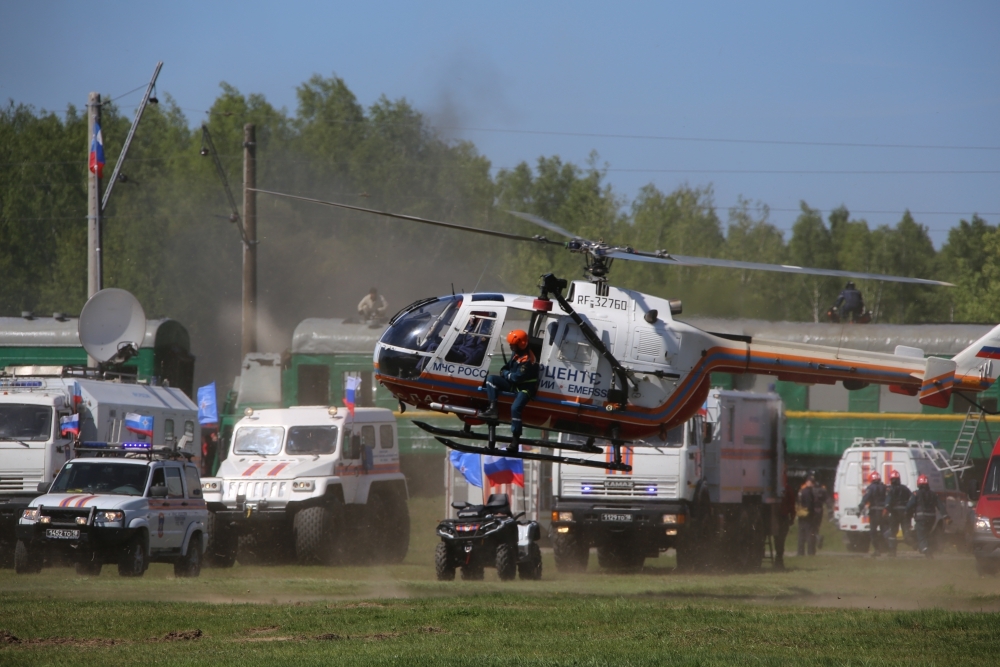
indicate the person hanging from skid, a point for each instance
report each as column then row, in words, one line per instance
column 518, row 376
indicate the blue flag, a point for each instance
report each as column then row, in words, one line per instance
column 208, row 410
column 469, row 465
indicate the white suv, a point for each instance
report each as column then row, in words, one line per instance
column 119, row 507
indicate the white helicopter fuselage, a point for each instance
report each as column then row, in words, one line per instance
column 439, row 351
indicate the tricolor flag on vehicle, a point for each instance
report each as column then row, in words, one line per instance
column 77, row 394
column 69, row 424
column 139, row 424
column 503, row 470
column 350, row 391
column 97, row 152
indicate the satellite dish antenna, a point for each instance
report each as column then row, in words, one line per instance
column 110, row 321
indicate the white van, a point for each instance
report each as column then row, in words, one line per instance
column 910, row 458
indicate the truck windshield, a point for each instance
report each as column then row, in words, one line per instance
column 25, row 422
column 311, row 440
column 120, row 479
column 992, row 484
column 264, row 440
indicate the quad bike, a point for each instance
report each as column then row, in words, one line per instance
column 488, row 536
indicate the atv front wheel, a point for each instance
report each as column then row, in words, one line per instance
column 506, row 562
column 442, row 564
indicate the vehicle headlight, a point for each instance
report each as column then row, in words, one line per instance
column 303, row 485
column 982, row 524
column 562, row 516
column 30, row 514
column 110, row 516
column 669, row 518
column 210, row 486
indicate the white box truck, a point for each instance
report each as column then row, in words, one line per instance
column 706, row 489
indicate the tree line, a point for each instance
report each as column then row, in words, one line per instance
column 167, row 239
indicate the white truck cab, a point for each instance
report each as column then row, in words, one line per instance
column 116, row 504
column 910, row 458
column 315, row 481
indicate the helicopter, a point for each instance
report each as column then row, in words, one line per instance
column 616, row 364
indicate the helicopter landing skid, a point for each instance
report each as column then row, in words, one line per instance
column 505, row 439
column 532, row 456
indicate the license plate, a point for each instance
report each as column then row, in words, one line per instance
column 61, row 534
column 616, row 517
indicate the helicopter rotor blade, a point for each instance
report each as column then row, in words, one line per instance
column 413, row 218
column 682, row 260
column 542, row 222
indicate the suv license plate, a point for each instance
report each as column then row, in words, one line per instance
column 60, row 534
column 616, row 517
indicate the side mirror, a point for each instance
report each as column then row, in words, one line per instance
column 43, row 487
column 159, row 491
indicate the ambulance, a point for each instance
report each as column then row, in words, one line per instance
column 910, row 458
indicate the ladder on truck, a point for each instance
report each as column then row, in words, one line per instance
column 967, row 436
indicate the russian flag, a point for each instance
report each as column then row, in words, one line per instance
column 69, row 424
column 139, row 424
column 97, row 152
column 503, row 470
column 77, row 394
column 353, row 384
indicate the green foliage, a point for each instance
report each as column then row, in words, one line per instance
column 166, row 238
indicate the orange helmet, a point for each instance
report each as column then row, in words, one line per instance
column 875, row 477
column 517, row 339
column 922, row 480
column 894, row 474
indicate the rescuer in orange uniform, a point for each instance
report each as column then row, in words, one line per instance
column 518, row 376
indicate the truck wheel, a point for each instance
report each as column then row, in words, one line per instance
column 26, row 562
column 986, row 567
column 317, row 531
column 442, row 564
column 746, row 548
column 506, row 562
column 532, row 567
column 472, row 573
column 571, row 553
column 189, row 565
column 90, row 568
column 857, row 542
column 387, row 527
column 223, row 545
column 133, row 560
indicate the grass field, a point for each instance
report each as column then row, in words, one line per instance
column 832, row 609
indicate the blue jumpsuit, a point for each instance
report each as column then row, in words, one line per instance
column 520, row 377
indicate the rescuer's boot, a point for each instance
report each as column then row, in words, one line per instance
column 515, row 442
column 490, row 412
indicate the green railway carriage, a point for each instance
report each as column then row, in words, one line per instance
column 164, row 355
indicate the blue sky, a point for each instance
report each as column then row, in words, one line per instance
column 522, row 80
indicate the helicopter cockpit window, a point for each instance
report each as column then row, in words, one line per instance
column 470, row 346
column 419, row 329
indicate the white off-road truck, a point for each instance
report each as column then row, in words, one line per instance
column 313, row 482
column 128, row 504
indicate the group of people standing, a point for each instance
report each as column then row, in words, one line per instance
column 891, row 508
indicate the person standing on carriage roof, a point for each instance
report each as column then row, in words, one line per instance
column 851, row 303
column 519, row 376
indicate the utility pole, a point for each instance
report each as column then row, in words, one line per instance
column 250, row 242
column 95, row 272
